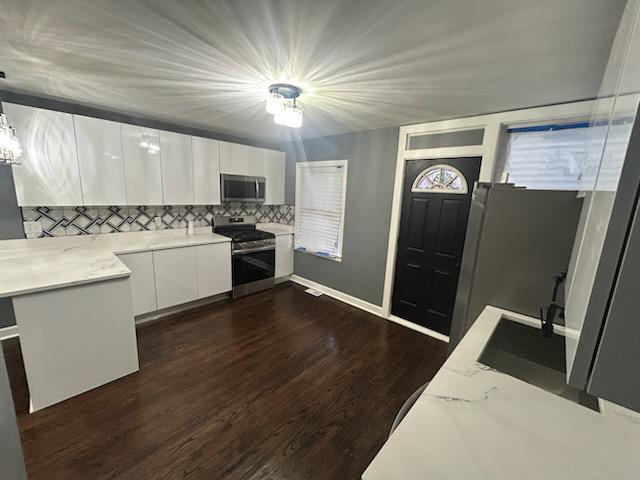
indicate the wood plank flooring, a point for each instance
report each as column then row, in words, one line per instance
column 279, row 385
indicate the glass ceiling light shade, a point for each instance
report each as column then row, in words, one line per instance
column 291, row 116
column 10, row 151
column 275, row 103
column 281, row 103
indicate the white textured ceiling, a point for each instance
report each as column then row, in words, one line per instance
column 362, row 63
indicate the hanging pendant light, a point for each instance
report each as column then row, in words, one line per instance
column 10, row 150
column 281, row 103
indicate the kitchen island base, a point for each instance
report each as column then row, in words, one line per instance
column 76, row 338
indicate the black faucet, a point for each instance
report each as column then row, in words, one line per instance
column 547, row 322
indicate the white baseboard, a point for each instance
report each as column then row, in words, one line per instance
column 338, row 295
column 418, row 328
column 8, row 332
column 366, row 306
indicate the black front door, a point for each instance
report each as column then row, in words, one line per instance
column 435, row 209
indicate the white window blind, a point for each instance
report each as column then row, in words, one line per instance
column 320, row 201
column 563, row 157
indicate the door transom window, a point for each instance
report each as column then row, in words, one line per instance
column 440, row 179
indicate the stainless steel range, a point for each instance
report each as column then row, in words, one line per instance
column 253, row 254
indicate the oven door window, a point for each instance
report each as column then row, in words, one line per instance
column 250, row 267
column 240, row 189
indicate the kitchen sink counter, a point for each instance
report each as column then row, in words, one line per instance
column 473, row 422
column 40, row 264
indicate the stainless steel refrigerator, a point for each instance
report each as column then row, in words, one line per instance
column 517, row 241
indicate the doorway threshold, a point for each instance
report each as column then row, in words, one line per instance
column 419, row 328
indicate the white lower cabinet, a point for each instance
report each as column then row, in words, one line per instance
column 284, row 255
column 176, row 276
column 143, row 283
column 189, row 273
column 213, row 264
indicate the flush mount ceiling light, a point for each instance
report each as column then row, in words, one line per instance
column 10, row 151
column 281, row 103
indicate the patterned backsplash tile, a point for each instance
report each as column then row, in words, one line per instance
column 59, row 221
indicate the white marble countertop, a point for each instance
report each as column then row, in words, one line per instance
column 276, row 228
column 40, row 264
column 473, row 422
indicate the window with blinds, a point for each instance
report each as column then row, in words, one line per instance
column 321, row 189
column 563, row 156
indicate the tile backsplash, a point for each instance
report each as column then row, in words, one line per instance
column 63, row 221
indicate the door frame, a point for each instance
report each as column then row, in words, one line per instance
column 489, row 152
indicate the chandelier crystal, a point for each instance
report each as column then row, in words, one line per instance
column 10, row 150
column 281, row 103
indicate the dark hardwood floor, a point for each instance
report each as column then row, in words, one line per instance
column 280, row 385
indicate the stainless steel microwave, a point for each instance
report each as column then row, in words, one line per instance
column 241, row 188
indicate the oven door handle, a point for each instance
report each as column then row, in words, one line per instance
column 254, row 250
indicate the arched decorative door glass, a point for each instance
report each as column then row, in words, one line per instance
column 440, row 179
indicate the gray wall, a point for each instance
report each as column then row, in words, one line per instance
column 372, row 158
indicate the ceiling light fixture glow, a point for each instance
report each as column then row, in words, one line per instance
column 281, row 103
column 289, row 117
column 275, row 103
column 150, row 143
column 10, row 150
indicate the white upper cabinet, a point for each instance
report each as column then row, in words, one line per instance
column 99, row 145
column 48, row 174
column 177, row 168
column 239, row 159
column 274, row 166
column 206, row 171
column 143, row 172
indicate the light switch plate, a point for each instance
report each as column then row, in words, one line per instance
column 32, row 229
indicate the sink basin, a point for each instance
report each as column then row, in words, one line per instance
column 522, row 352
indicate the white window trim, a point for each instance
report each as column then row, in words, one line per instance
column 324, row 163
column 494, row 127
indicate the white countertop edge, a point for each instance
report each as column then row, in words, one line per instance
column 87, row 281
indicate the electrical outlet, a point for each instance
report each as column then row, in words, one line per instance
column 157, row 221
column 32, row 229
